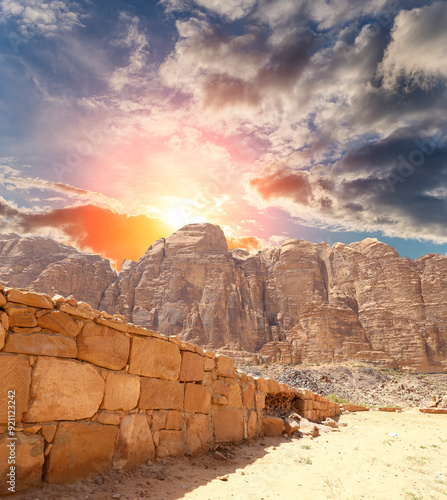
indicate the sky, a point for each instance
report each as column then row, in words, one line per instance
column 322, row 120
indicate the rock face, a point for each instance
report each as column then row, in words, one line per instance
column 43, row 265
column 297, row 302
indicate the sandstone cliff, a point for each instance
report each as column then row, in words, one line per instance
column 297, row 302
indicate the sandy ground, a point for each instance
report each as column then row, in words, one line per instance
column 363, row 460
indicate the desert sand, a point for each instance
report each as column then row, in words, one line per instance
column 376, row 456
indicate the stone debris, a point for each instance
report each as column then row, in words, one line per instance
column 437, row 405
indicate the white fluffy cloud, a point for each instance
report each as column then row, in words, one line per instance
column 418, row 49
column 36, row 16
column 137, row 42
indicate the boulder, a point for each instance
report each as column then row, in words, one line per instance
column 272, row 426
column 291, row 426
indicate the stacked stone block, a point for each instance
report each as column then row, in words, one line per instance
column 92, row 392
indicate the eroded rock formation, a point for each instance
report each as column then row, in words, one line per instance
column 297, row 302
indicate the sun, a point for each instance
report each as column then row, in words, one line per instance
column 177, row 217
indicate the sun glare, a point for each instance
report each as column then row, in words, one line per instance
column 178, row 217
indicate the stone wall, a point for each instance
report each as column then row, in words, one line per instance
column 83, row 391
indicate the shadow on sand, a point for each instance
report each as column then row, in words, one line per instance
column 169, row 480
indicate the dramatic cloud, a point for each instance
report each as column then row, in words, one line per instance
column 417, row 53
column 113, row 235
column 307, row 117
column 396, row 185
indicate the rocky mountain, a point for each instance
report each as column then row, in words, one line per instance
column 44, row 265
column 297, row 302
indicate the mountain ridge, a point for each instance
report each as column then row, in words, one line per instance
column 296, row 302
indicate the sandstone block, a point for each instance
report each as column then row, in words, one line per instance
column 199, row 350
column 186, row 346
column 59, row 322
column 41, row 344
column 158, row 420
column 234, row 396
column 225, row 366
column 25, row 331
column 21, row 316
column 80, row 450
column 107, row 417
column 262, row 384
column 48, row 431
column 139, row 330
column 192, row 367
column 273, row 386
column 228, row 425
column 302, row 404
column 209, row 364
column 4, row 320
column 174, row 420
column 198, row 435
column 29, row 462
column 218, row 399
column 156, row 394
column 135, row 445
column 2, row 336
column 291, row 426
column 84, row 305
column 248, row 396
column 76, row 311
column 220, row 387
column 120, row 326
column 171, row 444
column 197, row 398
column 272, row 426
column 63, row 390
column 103, row 346
column 122, row 391
column 39, row 300
column 252, row 425
column 2, row 299
column 15, row 377
column 260, row 401
column 154, row 357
